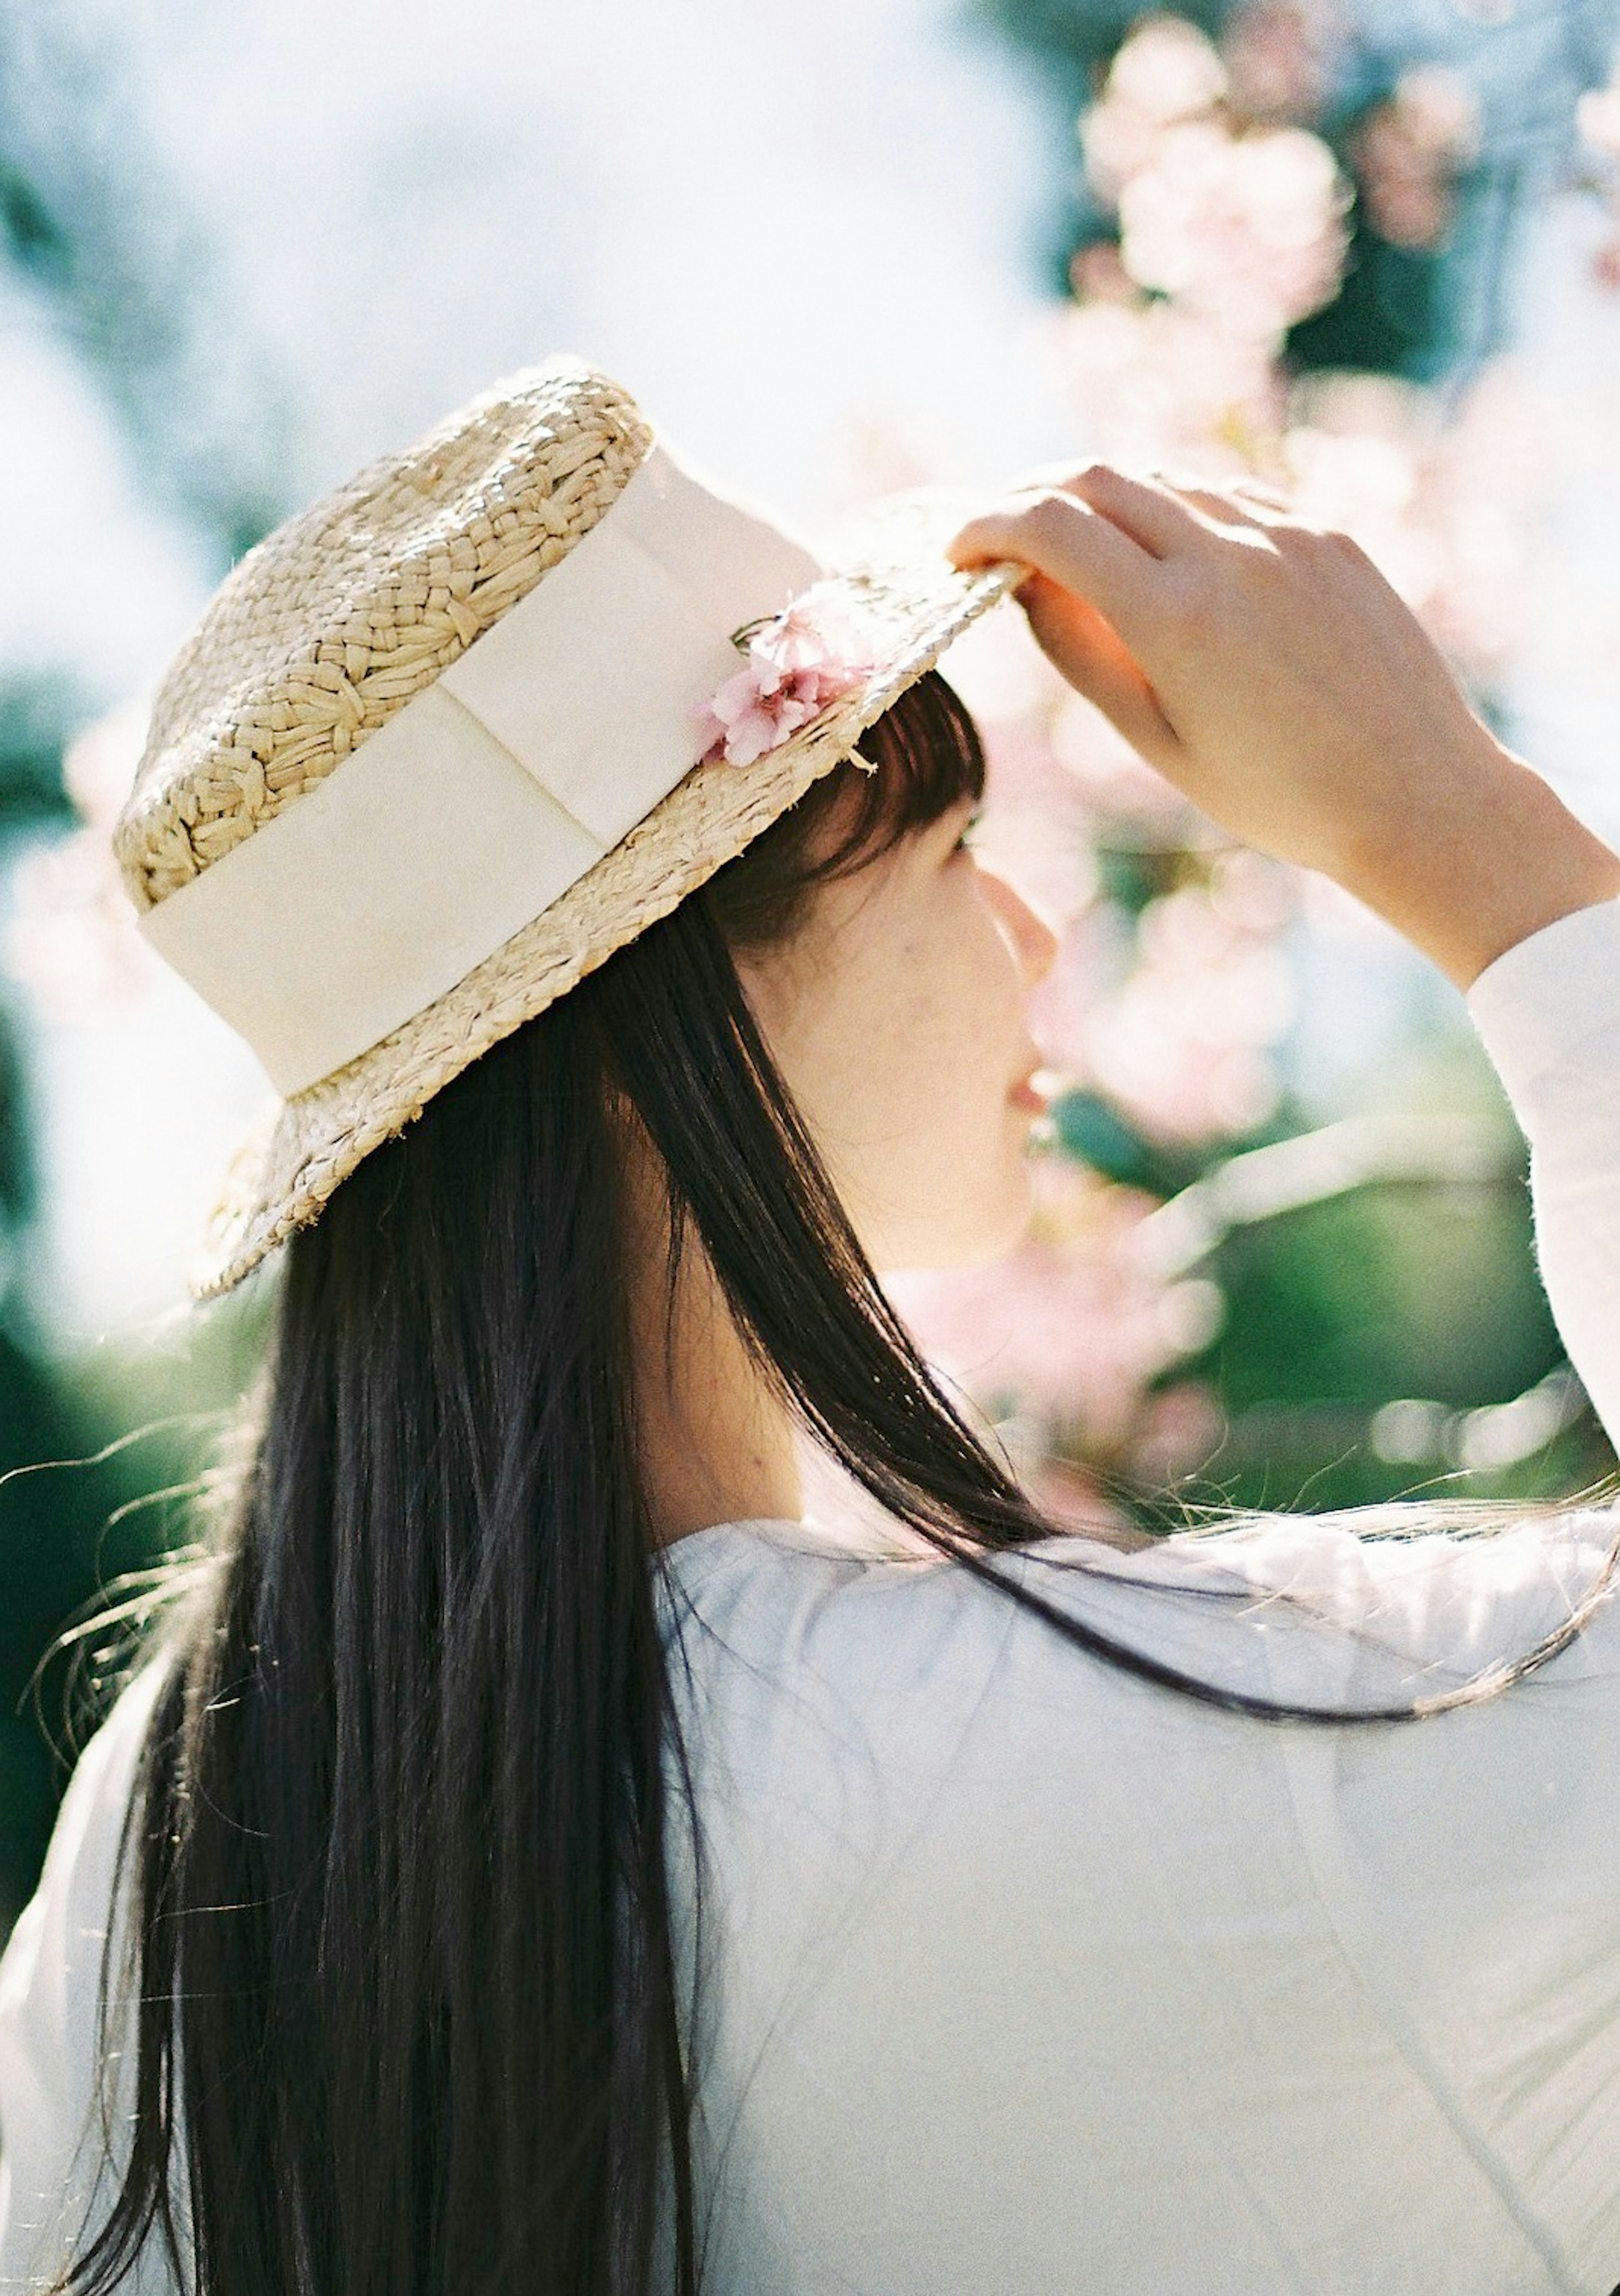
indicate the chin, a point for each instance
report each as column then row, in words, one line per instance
column 1000, row 1227
column 1005, row 1236
column 982, row 1223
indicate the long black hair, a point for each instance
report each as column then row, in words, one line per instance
column 396, row 1855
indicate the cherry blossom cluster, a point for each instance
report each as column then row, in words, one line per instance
column 797, row 662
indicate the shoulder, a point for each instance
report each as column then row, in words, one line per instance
column 1374, row 1607
column 854, row 1725
column 70, row 1910
column 782, row 1636
column 50, row 1986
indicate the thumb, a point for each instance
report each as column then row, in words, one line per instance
column 1090, row 653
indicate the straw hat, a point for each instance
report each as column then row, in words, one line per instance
column 438, row 747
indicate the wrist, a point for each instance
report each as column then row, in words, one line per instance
column 1473, row 877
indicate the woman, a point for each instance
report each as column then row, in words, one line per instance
column 553, row 1862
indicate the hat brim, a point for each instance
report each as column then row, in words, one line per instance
column 893, row 567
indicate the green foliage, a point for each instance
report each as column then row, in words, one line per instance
column 93, row 232
column 1130, row 876
column 1093, row 1131
column 35, row 716
column 1388, row 316
column 38, row 712
column 1076, row 39
column 1418, row 1290
column 1398, row 1290
column 33, row 238
column 48, row 1523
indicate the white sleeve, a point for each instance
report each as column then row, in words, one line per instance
column 1548, row 1012
column 53, row 2156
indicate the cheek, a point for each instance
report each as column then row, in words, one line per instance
column 966, row 1018
column 899, row 1036
column 922, row 1126
column 917, row 1027
column 948, row 1056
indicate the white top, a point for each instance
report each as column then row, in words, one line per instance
column 1023, row 1976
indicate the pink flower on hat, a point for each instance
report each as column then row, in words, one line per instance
column 798, row 663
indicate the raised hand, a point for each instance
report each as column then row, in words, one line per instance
column 1267, row 669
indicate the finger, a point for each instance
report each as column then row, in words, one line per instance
column 1141, row 507
column 1095, row 661
column 1231, row 502
column 1059, row 537
column 1261, row 490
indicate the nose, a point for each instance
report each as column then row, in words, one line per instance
column 1034, row 943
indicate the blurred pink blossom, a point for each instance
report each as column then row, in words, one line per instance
column 1444, row 507
column 1179, row 1428
column 1064, row 1323
column 1092, row 953
column 1598, row 118
column 1275, row 65
column 1232, row 221
column 1157, row 381
column 1175, row 1025
column 1096, row 275
column 99, row 765
column 72, row 938
column 1183, row 1045
column 1407, row 153
column 1166, row 71
column 1117, row 784
column 1248, row 229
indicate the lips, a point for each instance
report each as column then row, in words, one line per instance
column 1033, row 1091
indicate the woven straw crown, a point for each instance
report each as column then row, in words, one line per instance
column 355, row 606
column 343, row 623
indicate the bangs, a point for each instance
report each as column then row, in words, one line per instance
column 926, row 755
column 928, row 758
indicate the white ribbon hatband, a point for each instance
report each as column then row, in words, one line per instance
column 485, row 797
